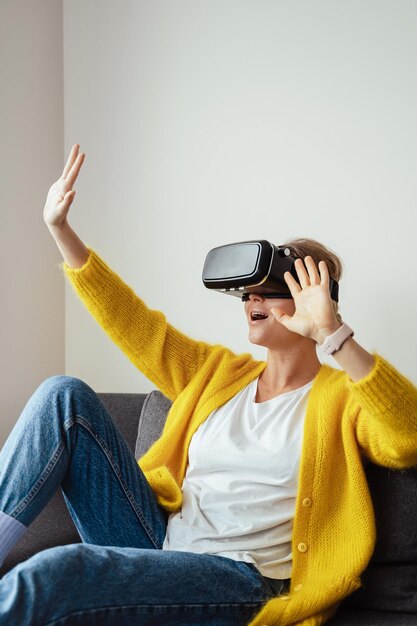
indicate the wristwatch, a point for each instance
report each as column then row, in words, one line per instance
column 334, row 342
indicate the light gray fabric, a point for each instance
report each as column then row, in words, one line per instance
column 151, row 421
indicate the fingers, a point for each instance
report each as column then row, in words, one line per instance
column 279, row 314
column 302, row 273
column 73, row 165
column 312, row 270
column 306, row 279
column 73, row 173
column 325, row 278
column 71, row 159
column 293, row 286
column 67, row 200
column 313, row 277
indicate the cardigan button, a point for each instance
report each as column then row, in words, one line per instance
column 298, row 587
column 307, row 502
column 302, row 547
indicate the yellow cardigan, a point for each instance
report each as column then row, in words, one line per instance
column 376, row 417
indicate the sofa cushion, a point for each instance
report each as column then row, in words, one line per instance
column 371, row 618
column 394, row 495
column 151, row 422
column 125, row 409
column 390, row 580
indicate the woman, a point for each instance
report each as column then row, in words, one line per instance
column 251, row 508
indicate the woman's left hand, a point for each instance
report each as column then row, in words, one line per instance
column 314, row 314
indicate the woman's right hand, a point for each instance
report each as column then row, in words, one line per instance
column 61, row 194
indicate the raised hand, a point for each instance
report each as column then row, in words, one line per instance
column 61, row 194
column 314, row 314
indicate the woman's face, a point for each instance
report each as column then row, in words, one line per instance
column 264, row 329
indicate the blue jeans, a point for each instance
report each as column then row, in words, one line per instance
column 119, row 574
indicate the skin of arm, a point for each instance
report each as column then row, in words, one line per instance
column 74, row 252
column 352, row 357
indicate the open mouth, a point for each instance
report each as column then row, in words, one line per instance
column 257, row 316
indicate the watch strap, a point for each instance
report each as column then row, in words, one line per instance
column 332, row 343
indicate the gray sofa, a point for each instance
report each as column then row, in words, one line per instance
column 388, row 596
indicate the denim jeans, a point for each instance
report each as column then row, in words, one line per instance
column 119, row 574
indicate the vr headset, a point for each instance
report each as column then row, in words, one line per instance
column 239, row 269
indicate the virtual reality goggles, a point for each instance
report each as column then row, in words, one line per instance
column 239, row 269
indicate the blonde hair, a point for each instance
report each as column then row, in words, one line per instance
column 300, row 248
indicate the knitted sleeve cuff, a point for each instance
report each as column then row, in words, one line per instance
column 86, row 271
column 385, row 391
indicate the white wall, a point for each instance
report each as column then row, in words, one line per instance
column 203, row 123
column 210, row 122
column 31, row 152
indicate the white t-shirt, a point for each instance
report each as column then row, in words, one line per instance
column 240, row 485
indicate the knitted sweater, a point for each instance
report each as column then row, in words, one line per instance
column 346, row 422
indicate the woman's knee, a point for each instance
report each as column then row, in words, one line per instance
column 65, row 562
column 60, row 384
column 61, row 396
column 44, row 580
